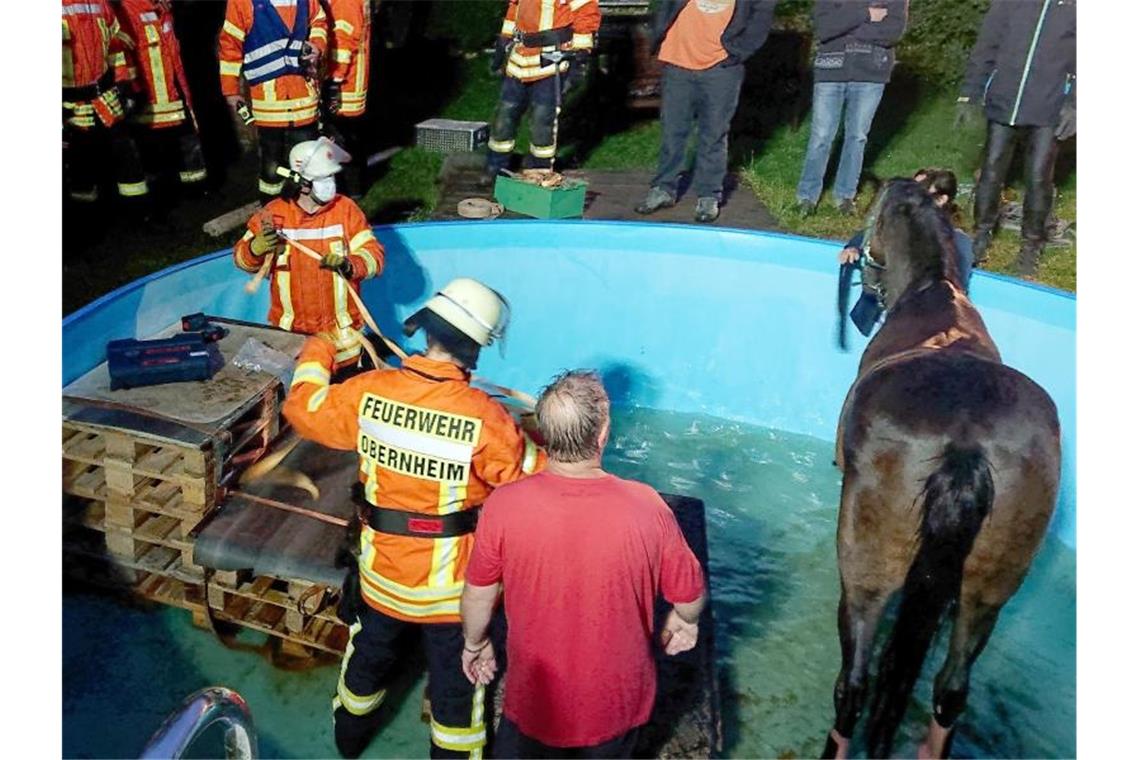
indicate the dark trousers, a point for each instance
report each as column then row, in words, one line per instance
column 87, row 150
column 273, row 146
column 510, row 742
column 1040, row 157
column 347, row 131
column 172, row 150
column 514, row 98
column 458, row 727
column 709, row 97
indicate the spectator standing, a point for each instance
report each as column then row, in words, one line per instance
column 581, row 556
column 1023, row 71
column 853, row 63
column 702, row 45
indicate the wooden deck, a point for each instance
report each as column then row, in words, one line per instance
column 612, row 194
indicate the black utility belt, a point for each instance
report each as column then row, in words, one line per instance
column 398, row 522
column 550, row 37
column 91, row 91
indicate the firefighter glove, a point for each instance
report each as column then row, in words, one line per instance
column 265, row 241
column 1067, row 125
column 127, row 98
column 332, row 97
column 499, row 57
column 338, row 263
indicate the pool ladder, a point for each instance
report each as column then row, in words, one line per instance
column 197, row 713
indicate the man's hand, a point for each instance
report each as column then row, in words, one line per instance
column 499, row 57
column 479, row 662
column 678, row 635
column 876, row 14
column 310, row 60
column 1067, row 125
column 265, row 241
column 848, row 255
column 332, row 97
column 337, row 263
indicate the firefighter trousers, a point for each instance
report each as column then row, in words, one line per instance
column 171, row 150
column 514, row 98
column 273, row 146
column 458, row 728
column 87, row 149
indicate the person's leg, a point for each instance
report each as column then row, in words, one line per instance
column 504, row 127
column 360, row 692
column 862, row 100
column 82, row 151
column 458, row 726
column 1040, row 159
column 270, row 144
column 1000, row 142
column 717, row 97
column 543, row 118
column 353, row 173
column 512, row 743
column 130, row 177
column 678, row 107
column 192, row 167
column 618, row 747
column 826, row 108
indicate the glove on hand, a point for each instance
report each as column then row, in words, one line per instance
column 265, row 241
column 499, row 58
column 332, row 97
column 337, row 263
column 1067, row 125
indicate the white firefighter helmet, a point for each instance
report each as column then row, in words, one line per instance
column 474, row 309
column 317, row 159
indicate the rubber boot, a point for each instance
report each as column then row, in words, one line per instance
column 1028, row 257
column 982, row 238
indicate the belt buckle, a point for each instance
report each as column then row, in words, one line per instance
column 425, row 525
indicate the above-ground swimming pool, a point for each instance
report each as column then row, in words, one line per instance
column 718, row 348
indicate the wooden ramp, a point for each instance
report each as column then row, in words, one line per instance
column 612, row 195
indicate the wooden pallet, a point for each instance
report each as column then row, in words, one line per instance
column 269, row 605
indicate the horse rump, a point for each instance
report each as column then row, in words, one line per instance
column 956, row 499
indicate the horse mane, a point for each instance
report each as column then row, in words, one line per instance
column 916, row 235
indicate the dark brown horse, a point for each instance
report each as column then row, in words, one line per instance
column 950, row 464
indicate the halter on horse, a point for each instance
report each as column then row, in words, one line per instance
column 950, row 461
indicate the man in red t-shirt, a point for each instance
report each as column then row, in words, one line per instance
column 581, row 555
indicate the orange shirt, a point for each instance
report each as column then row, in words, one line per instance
column 693, row 42
column 428, row 443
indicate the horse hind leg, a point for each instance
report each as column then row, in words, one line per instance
column 973, row 625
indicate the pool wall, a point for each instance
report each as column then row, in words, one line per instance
column 735, row 324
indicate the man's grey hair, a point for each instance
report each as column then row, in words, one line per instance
column 571, row 413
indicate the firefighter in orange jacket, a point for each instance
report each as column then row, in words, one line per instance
column 275, row 46
column 167, row 130
column 306, row 295
column 95, row 78
column 532, row 30
column 346, row 92
column 431, row 449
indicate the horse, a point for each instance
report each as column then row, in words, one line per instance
column 951, row 464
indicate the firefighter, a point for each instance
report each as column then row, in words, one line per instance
column 431, row 450
column 275, row 46
column 166, row 128
column 531, row 30
column 95, row 80
column 309, row 296
column 346, row 92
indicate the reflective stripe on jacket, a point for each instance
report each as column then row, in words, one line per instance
column 532, row 16
column 93, row 46
column 287, row 100
column 303, row 297
column 352, row 29
column 155, row 63
column 428, row 443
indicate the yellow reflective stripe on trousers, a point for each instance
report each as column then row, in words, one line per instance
column 501, row 146
column 542, row 151
column 355, row 704
column 310, row 372
column 132, row 189
column 458, row 739
column 197, row 175
column 283, row 290
column 530, row 455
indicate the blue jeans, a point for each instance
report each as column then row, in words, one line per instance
column 828, row 100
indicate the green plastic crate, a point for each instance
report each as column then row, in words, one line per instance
column 567, row 200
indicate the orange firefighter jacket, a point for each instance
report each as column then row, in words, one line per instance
column 352, row 30
column 303, row 297
column 582, row 17
column 290, row 100
column 428, row 443
column 155, row 63
column 94, row 60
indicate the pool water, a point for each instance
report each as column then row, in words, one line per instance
column 770, row 499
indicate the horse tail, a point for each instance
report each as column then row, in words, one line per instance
column 956, row 498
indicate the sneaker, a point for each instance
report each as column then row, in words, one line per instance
column 805, row 209
column 846, row 207
column 657, row 199
column 708, row 209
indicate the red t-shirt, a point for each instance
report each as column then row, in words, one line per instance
column 581, row 561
